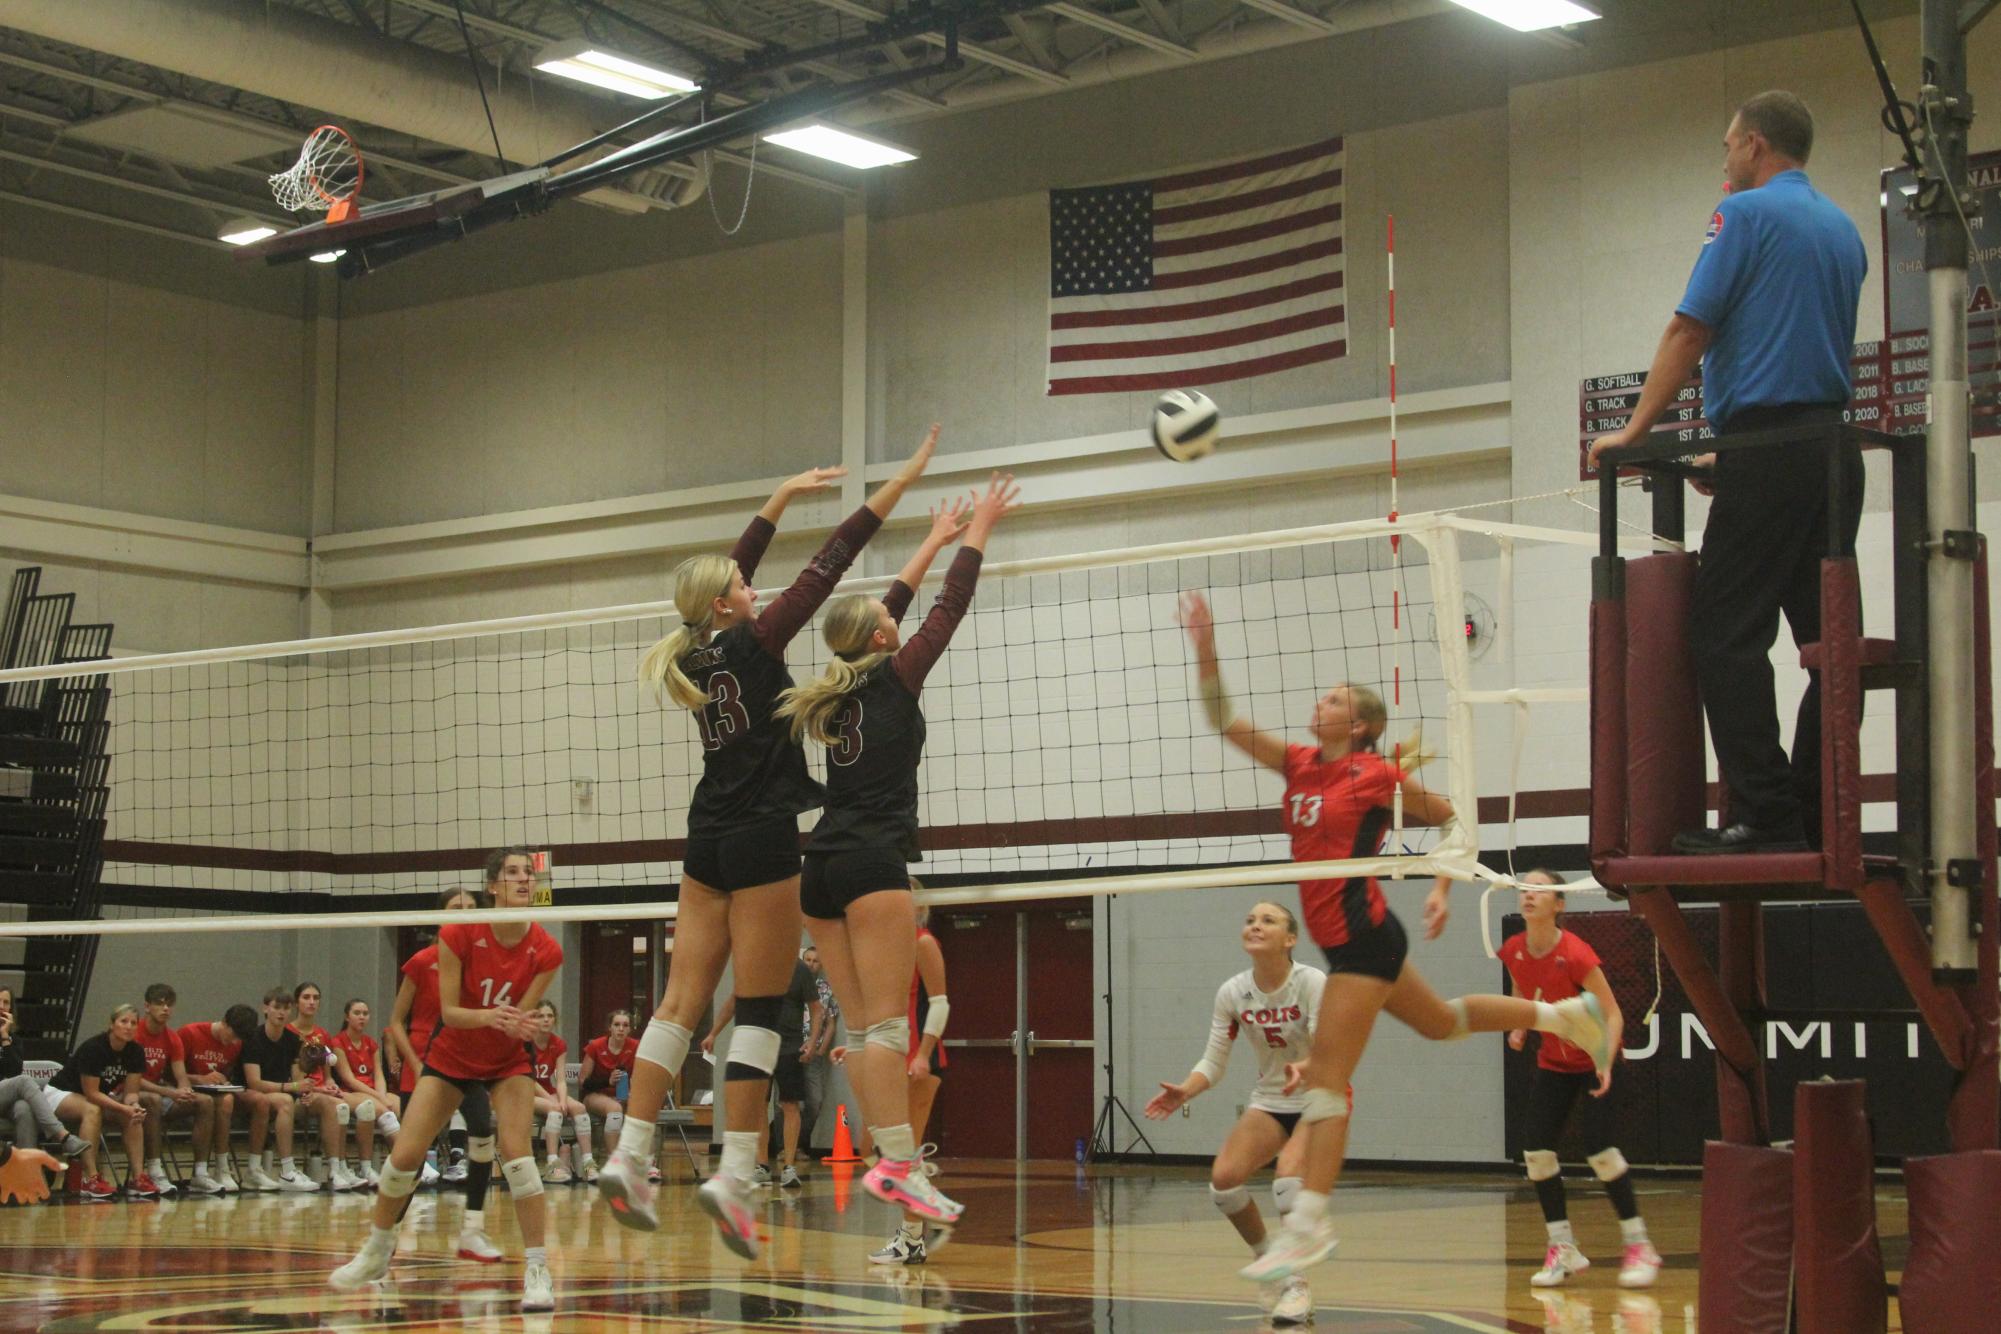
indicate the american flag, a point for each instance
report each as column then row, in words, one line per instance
column 1209, row 275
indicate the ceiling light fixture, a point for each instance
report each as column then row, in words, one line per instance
column 587, row 63
column 842, row 146
column 1532, row 15
column 326, row 256
column 243, row 231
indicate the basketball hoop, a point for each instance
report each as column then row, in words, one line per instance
column 327, row 175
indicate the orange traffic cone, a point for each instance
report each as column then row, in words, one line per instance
column 844, row 1143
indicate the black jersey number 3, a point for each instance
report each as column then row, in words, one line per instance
column 847, row 747
column 725, row 719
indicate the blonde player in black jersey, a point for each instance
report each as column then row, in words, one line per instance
column 739, row 901
column 1273, row 1004
column 855, row 887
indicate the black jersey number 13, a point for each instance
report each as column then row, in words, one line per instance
column 726, row 718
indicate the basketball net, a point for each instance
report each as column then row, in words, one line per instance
column 326, row 176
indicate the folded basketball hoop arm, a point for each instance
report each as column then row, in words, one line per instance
column 379, row 234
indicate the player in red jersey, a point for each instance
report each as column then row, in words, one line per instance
column 491, row 976
column 363, row 1091
column 212, row 1052
column 1545, row 962
column 553, row 1102
column 164, row 1088
column 322, row 1100
column 1338, row 795
column 739, row 897
column 599, row 1067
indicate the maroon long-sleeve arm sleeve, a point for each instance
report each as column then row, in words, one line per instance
column 897, row 600
column 749, row 548
column 913, row 662
column 790, row 610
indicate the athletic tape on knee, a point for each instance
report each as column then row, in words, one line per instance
column 1462, row 1022
column 1609, row 1165
column 1284, row 1190
column 458, row 1122
column 613, row 1124
column 1541, row 1163
column 664, row 1044
column 552, row 1124
column 753, row 1052
column 1323, row 1105
column 395, row 1183
column 368, row 1111
column 891, row 1033
column 386, row 1119
column 1232, row 1201
column 524, row 1179
column 343, row 1113
column 479, row 1148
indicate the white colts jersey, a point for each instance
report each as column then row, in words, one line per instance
column 1278, row 1024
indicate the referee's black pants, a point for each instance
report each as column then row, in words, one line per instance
column 1761, row 552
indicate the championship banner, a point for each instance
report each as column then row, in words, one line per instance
column 1907, row 293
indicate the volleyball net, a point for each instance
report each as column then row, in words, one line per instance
column 1067, row 750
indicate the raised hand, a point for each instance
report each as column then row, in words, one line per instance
column 813, row 479
column 1166, row 1102
column 1003, row 497
column 949, row 519
column 913, row 467
column 1196, row 620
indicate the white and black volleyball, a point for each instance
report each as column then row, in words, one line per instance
column 1186, row 423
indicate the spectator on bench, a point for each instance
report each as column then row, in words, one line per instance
column 214, row 1055
column 271, row 1071
column 21, row 1100
column 100, row 1081
column 321, row 1095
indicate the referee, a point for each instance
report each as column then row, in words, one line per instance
column 1770, row 313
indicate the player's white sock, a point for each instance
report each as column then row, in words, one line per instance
column 201, row 1168
column 740, row 1153
column 270, row 1161
column 474, row 1221
column 896, row 1143
column 1308, row 1208
column 1560, row 1233
column 1547, row 1020
column 287, row 1168
column 635, row 1139
column 1633, row 1231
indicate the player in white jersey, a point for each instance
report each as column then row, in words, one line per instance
column 1273, row 1004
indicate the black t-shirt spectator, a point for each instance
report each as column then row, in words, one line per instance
column 94, row 1056
column 799, row 998
column 10, row 1055
column 273, row 1057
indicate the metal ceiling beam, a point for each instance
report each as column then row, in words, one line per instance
column 1152, row 41
column 142, row 187
column 1291, row 14
column 112, row 219
column 969, row 50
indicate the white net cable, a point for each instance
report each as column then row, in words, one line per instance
column 1067, row 754
column 327, row 172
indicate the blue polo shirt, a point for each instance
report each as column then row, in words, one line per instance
column 1777, row 280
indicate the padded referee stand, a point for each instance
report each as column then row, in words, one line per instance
column 1790, row 1236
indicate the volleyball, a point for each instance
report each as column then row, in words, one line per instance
column 1185, row 424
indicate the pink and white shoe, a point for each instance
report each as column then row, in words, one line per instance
column 906, row 1187
column 727, row 1200
column 1559, row 1263
column 628, row 1188
column 1639, row 1266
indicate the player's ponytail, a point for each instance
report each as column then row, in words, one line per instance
column 849, row 625
column 698, row 582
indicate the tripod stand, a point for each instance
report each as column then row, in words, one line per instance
column 1105, row 1131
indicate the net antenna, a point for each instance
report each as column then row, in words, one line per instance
column 327, row 175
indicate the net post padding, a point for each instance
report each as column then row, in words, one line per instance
column 1837, row 1259
column 1664, row 757
column 1950, row 1273
column 1841, row 723
column 1747, row 1237
column 1608, row 729
column 1973, row 1116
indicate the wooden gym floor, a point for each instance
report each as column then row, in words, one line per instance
column 1105, row 1250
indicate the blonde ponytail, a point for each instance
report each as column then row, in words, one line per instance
column 850, row 623
column 698, row 582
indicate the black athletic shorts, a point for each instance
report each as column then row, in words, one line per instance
column 1378, row 952
column 830, row 881
column 1553, row 1094
column 1286, row 1120
column 789, row 1076
column 760, row 855
column 476, row 1107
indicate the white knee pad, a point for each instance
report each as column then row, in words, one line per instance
column 582, row 1121
column 1284, row 1190
column 664, row 1044
column 479, row 1148
column 368, row 1111
column 1462, row 1023
column 552, row 1124
column 1541, row 1163
column 343, row 1113
column 387, row 1122
column 1230, row 1202
column 524, row 1179
column 1609, row 1165
column 395, row 1183
column 458, row 1121
column 891, row 1033
column 754, row 1049
column 613, row 1124
column 1323, row 1105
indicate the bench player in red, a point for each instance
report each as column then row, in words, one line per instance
column 1338, row 795
column 164, row 1087
column 491, row 976
column 213, row 1051
column 362, row 1086
column 1545, row 962
column 553, row 1102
